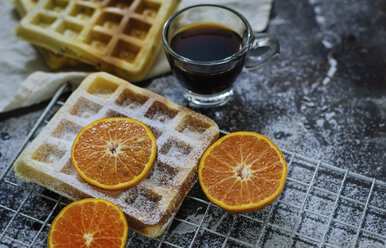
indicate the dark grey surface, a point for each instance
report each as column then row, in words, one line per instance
column 324, row 98
column 302, row 101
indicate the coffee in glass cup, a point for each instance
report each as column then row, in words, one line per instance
column 207, row 47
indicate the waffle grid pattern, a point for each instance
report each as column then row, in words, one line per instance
column 53, row 60
column 182, row 137
column 315, row 200
column 119, row 36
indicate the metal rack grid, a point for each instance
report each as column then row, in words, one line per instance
column 320, row 206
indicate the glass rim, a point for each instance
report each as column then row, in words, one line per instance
column 236, row 55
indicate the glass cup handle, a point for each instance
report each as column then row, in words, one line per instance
column 257, row 55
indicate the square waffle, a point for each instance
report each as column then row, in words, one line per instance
column 53, row 60
column 117, row 36
column 182, row 137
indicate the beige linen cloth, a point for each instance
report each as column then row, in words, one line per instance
column 26, row 80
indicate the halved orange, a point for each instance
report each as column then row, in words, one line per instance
column 242, row 172
column 89, row 223
column 114, row 153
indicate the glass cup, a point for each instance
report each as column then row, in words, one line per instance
column 210, row 83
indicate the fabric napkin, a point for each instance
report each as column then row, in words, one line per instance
column 26, row 80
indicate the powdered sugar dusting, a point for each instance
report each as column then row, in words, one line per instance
column 182, row 137
column 288, row 102
column 331, row 71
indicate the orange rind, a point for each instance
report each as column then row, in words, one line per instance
column 242, row 172
column 89, row 223
column 114, row 153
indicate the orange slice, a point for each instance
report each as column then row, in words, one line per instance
column 242, row 172
column 89, row 223
column 114, row 153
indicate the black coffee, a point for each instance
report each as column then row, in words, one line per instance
column 206, row 42
column 203, row 43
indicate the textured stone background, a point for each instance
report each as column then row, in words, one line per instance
column 325, row 97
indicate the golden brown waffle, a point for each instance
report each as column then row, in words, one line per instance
column 182, row 137
column 53, row 60
column 118, row 36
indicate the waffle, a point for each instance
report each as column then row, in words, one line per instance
column 118, row 36
column 53, row 60
column 182, row 136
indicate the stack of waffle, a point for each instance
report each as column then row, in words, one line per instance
column 118, row 36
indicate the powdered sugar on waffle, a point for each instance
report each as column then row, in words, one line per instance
column 182, row 136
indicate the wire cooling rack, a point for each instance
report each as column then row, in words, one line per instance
column 320, row 206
